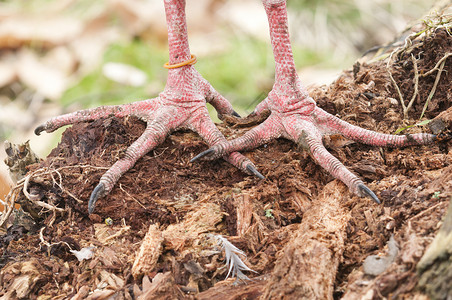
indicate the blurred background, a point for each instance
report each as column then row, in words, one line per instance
column 64, row 55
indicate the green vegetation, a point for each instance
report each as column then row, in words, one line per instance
column 95, row 89
column 269, row 213
column 243, row 74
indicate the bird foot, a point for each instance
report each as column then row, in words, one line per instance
column 295, row 116
column 307, row 131
column 182, row 105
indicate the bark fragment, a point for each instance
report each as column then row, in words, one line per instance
column 149, row 252
column 435, row 267
column 163, row 286
column 307, row 266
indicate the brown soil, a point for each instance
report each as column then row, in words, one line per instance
column 281, row 223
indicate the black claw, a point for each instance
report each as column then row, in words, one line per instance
column 235, row 114
column 253, row 171
column 202, row 154
column 40, row 129
column 98, row 192
column 367, row 192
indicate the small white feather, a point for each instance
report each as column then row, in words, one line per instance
column 233, row 261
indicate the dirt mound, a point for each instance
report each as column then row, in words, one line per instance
column 297, row 217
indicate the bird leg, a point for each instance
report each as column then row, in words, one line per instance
column 295, row 116
column 182, row 104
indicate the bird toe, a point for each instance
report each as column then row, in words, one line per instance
column 365, row 191
column 40, row 129
column 252, row 170
column 98, row 192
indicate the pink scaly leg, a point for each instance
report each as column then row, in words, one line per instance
column 295, row 116
column 180, row 105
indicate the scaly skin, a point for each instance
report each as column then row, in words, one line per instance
column 182, row 104
column 295, row 116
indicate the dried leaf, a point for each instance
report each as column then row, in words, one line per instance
column 125, row 74
column 90, row 45
column 7, row 73
column 47, row 80
column 22, row 29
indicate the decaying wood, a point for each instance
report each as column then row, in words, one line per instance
column 82, row 293
column 19, row 156
column 435, row 267
column 163, row 286
column 22, row 278
column 250, row 120
column 226, row 290
column 398, row 277
column 180, row 235
column 175, row 237
column 149, row 252
column 441, row 122
column 307, row 266
column 244, row 213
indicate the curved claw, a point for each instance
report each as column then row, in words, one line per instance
column 367, row 192
column 235, row 114
column 255, row 172
column 98, row 192
column 202, row 154
column 40, row 129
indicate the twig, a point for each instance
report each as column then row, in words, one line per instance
column 402, row 102
column 9, row 204
column 47, row 244
column 416, row 87
column 438, row 67
column 398, row 91
column 136, row 200
column 428, row 210
column 438, row 76
column 52, row 220
column 441, row 61
column 60, row 185
column 33, row 198
column 159, row 154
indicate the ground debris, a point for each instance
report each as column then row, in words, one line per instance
column 162, row 287
column 23, row 279
column 19, row 157
column 435, row 267
column 84, row 253
column 376, row 264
